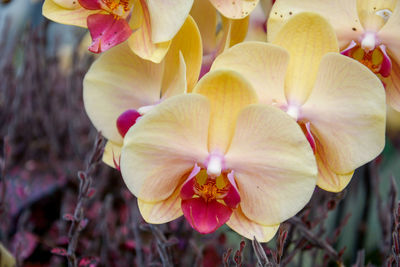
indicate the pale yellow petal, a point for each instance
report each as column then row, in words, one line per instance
column 187, row 42
column 371, row 12
column 71, row 16
column 174, row 79
column 347, row 113
column 264, row 65
column 342, row 14
column 392, row 86
column 163, row 211
column 112, row 154
column 328, row 179
column 205, row 15
column 140, row 41
column 6, row 258
column 228, row 93
column 164, row 146
column 119, row 80
column 307, row 37
column 250, row 229
column 167, row 17
column 273, row 164
column 389, row 35
column 235, row 9
column 236, row 28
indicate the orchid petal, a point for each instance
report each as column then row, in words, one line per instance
column 119, row 80
column 90, row 4
column 66, row 12
column 250, row 229
column 328, row 180
column 228, row 93
column 342, row 14
column 266, row 71
column 164, row 145
column 174, row 79
column 112, row 154
column 236, row 9
column 367, row 12
column 162, row 211
column 392, row 86
column 205, row 15
column 274, row 165
column 347, row 111
column 106, row 31
column 236, row 29
column 389, row 35
column 307, row 37
column 187, row 42
column 167, row 17
column 140, row 41
column 205, row 217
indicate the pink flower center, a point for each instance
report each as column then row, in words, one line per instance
column 373, row 57
column 208, row 201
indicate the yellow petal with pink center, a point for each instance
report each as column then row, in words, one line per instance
column 235, row 9
column 250, row 229
column 266, row 70
column 164, row 145
column 162, row 211
column 67, row 12
column 347, row 113
column 372, row 13
column 187, row 42
column 119, row 80
column 205, row 15
column 273, row 164
column 228, row 92
column 140, row 41
column 307, row 37
column 342, row 14
column 112, row 154
column 167, row 17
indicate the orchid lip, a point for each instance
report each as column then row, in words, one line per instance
column 384, row 13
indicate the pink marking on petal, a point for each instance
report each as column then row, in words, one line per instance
column 232, row 199
column 386, row 65
column 187, row 190
column 116, row 164
column 90, row 4
column 205, row 217
column 346, row 51
column 309, row 136
column 107, row 31
column 126, row 120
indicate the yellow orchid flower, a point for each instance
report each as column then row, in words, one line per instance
column 121, row 87
column 148, row 24
column 367, row 30
column 217, row 157
column 337, row 101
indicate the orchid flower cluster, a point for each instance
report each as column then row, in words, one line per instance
column 224, row 131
